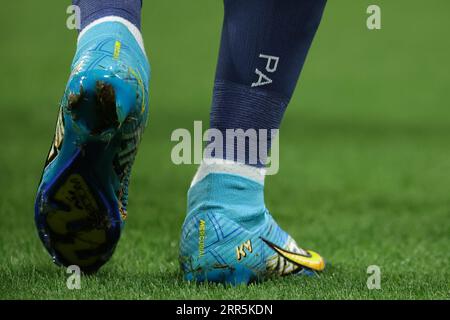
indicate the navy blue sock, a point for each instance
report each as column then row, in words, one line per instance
column 95, row 9
column 263, row 48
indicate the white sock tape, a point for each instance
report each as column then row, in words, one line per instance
column 230, row 167
column 131, row 27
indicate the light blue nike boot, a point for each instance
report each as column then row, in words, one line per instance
column 230, row 237
column 83, row 193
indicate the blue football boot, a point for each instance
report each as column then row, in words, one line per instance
column 230, row 237
column 82, row 197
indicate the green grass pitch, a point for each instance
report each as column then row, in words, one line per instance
column 365, row 153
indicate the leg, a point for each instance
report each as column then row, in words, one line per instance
column 82, row 196
column 228, row 234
